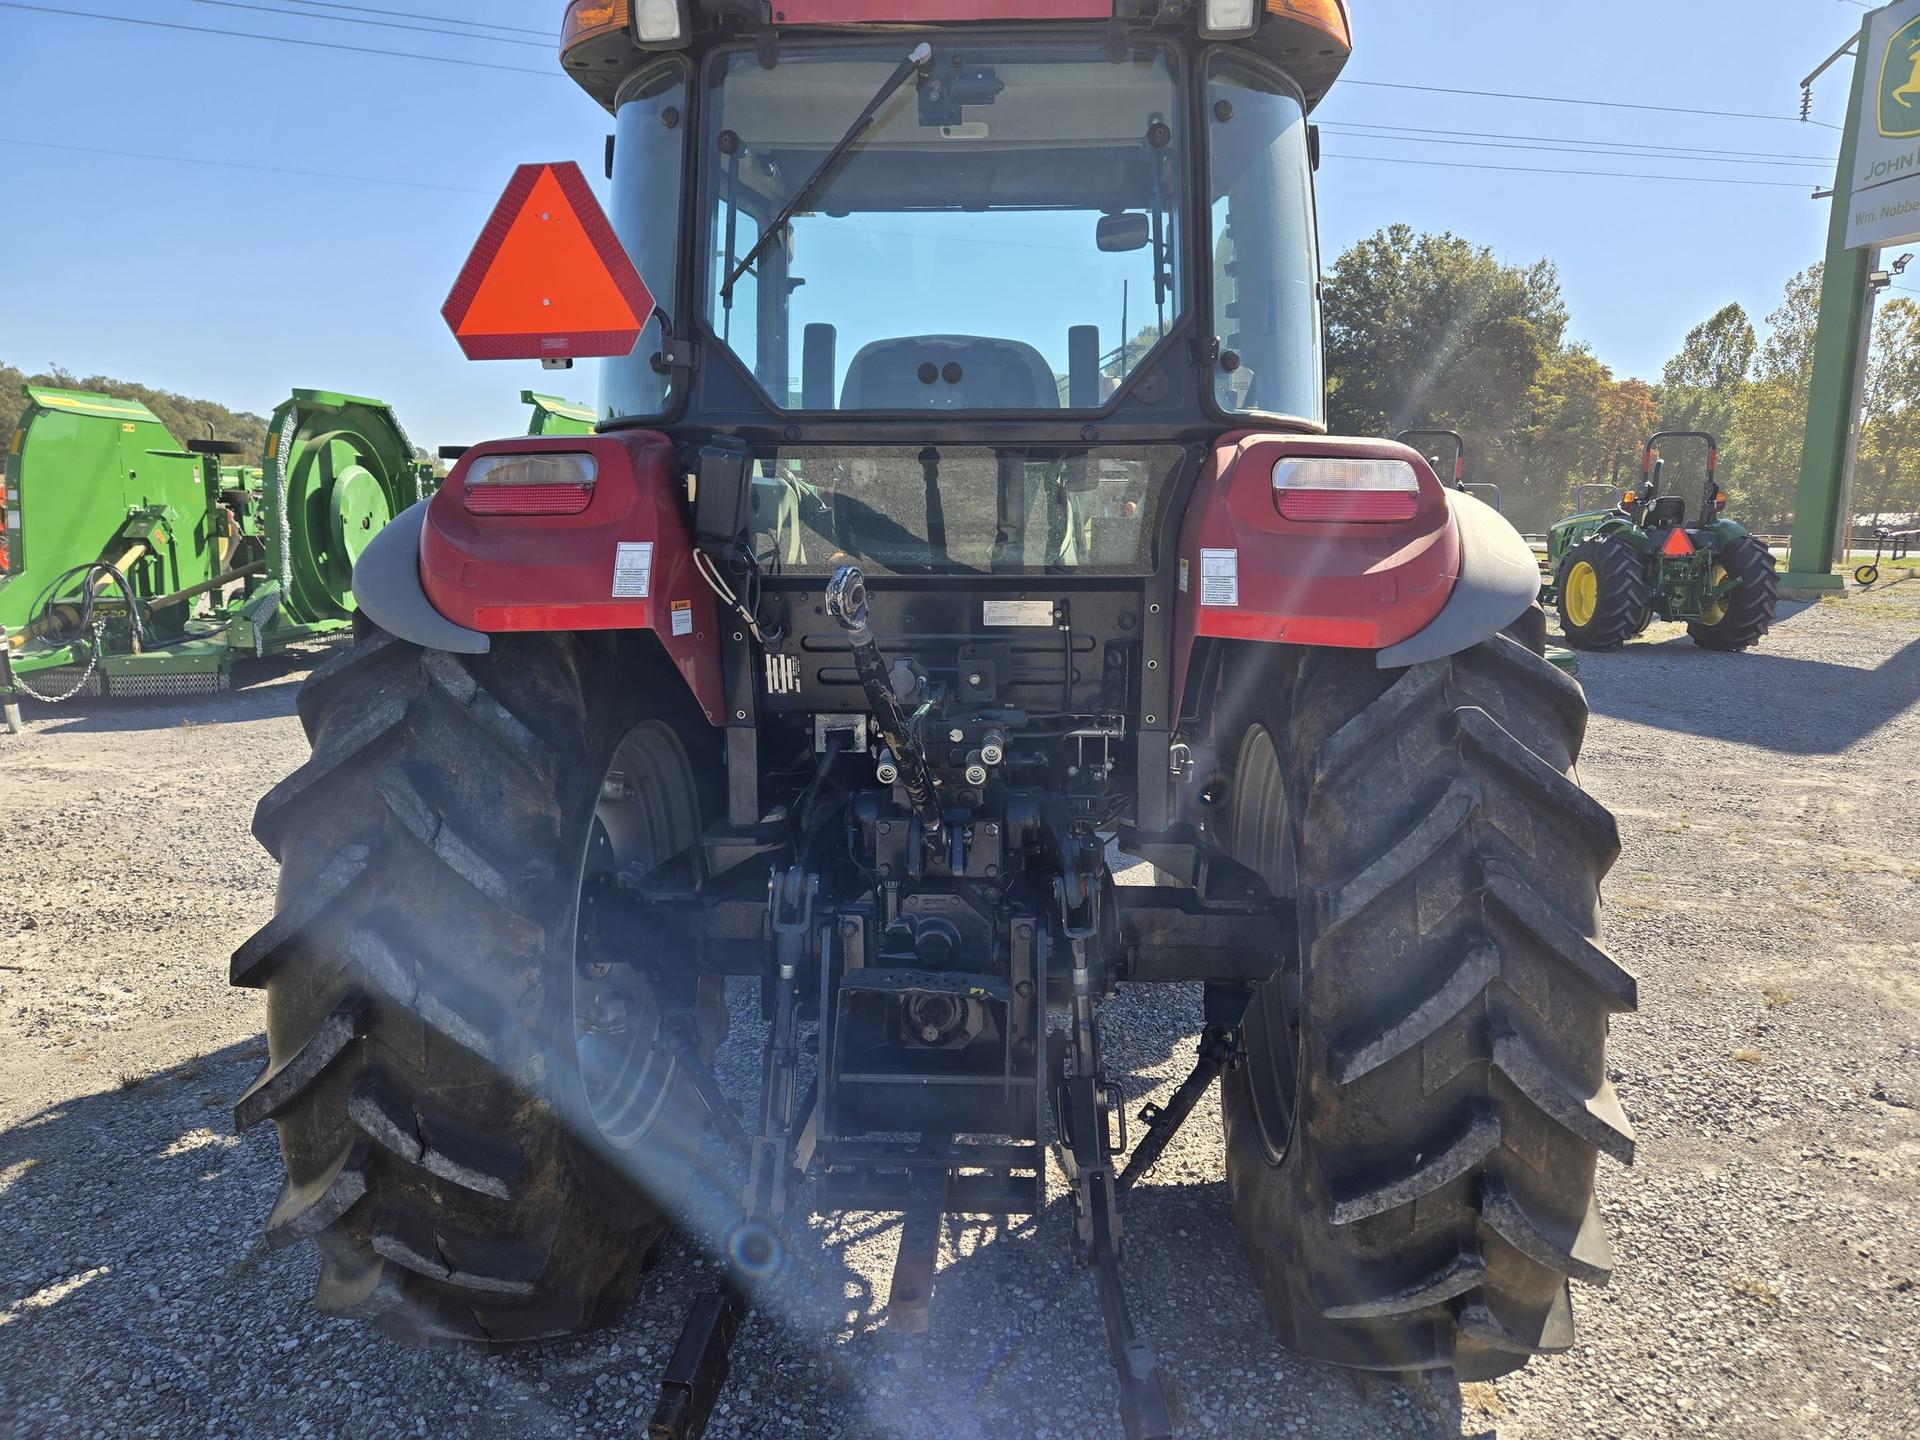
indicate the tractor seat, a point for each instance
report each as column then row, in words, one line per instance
column 1666, row 511
column 949, row 372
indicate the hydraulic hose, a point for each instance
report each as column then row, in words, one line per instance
column 847, row 604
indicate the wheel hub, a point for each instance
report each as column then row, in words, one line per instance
column 1582, row 593
column 1263, row 841
column 1715, row 610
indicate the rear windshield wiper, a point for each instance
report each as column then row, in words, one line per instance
column 922, row 54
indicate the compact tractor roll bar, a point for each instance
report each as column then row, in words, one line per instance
column 1652, row 468
column 1459, row 481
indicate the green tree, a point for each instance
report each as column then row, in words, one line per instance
column 1559, row 440
column 1886, row 478
column 1791, row 331
column 1427, row 329
column 1632, row 414
column 1768, row 433
column 1701, row 389
column 1701, row 385
column 1770, row 419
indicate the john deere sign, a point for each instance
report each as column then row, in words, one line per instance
column 1885, row 204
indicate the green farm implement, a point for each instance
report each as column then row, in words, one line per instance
column 1612, row 572
column 551, row 416
column 554, row 416
column 135, row 565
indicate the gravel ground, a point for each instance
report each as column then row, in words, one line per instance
column 1769, row 1238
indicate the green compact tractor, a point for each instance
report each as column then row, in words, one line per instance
column 881, row 612
column 138, row 566
column 1612, row 572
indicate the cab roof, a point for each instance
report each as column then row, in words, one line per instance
column 1310, row 39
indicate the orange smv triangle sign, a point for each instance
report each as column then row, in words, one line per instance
column 548, row 280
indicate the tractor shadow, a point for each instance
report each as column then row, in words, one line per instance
column 1016, row 1345
column 137, row 1295
column 132, row 1274
column 1782, row 703
column 129, row 1222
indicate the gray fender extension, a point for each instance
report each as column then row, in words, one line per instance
column 1499, row 580
column 386, row 587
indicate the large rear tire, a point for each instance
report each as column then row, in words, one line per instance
column 1744, row 617
column 1411, row 1144
column 445, row 1129
column 1604, row 595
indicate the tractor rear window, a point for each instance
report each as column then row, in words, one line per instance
column 924, row 509
column 1006, row 235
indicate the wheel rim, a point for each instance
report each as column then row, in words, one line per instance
column 1716, row 610
column 647, row 812
column 1263, row 842
column 1582, row 592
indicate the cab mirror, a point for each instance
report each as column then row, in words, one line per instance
column 1116, row 234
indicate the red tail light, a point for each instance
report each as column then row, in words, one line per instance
column 1346, row 490
column 546, row 483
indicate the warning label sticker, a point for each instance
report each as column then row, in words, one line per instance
column 1220, row 577
column 683, row 617
column 1184, row 568
column 633, row 570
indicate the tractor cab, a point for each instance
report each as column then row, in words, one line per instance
column 1099, row 224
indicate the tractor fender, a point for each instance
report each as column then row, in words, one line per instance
column 1498, row 581
column 621, row 559
column 387, row 588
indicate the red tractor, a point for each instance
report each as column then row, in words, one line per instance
column 963, row 520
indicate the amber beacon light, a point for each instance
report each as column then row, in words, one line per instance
column 1326, row 15
column 590, row 19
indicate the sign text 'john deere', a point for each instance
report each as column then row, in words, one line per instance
column 549, row 279
column 1884, row 207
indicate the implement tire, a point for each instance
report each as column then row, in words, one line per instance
column 1747, row 614
column 1411, row 1145
column 1604, row 595
column 424, row 1063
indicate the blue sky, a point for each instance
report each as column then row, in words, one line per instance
column 238, row 284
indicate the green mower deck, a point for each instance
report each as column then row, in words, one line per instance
column 138, row 567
